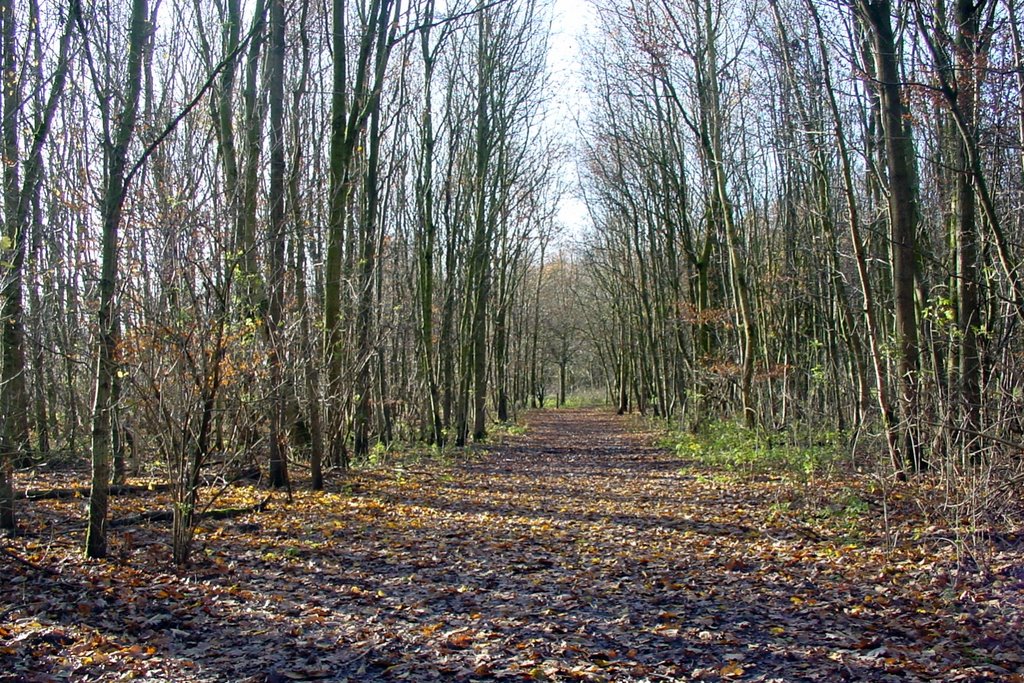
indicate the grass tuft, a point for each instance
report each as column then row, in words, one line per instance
column 736, row 449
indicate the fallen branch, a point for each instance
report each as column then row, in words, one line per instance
column 83, row 491
column 226, row 513
column 168, row 515
column 21, row 560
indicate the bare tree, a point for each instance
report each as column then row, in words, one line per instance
column 116, row 157
column 20, row 204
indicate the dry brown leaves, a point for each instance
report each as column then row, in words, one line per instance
column 578, row 552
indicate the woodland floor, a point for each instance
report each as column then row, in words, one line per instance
column 580, row 551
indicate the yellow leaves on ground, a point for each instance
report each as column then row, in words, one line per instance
column 459, row 641
column 731, row 670
column 582, row 554
column 431, row 629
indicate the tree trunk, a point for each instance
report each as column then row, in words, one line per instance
column 501, row 362
column 899, row 152
column 348, row 119
column 535, row 333
column 311, row 361
column 561, row 383
column 427, row 236
column 1018, row 61
column 968, row 41
column 105, row 369
column 713, row 148
column 473, row 382
column 278, row 464
column 249, row 282
column 336, row 221
column 13, row 404
column 889, row 422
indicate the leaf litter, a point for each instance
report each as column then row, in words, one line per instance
column 579, row 551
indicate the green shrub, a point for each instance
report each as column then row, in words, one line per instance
column 731, row 446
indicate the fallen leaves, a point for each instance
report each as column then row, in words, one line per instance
column 578, row 552
column 731, row 670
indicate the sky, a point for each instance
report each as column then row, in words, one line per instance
column 571, row 18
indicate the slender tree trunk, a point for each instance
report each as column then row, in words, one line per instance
column 968, row 40
column 427, row 235
column 338, row 178
column 713, row 143
column 1018, row 61
column 119, row 473
column 535, row 332
column 250, row 285
column 278, row 469
column 623, row 369
column 14, row 427
column 473, row 383
column 480, row 355
column 311, row 361
column 105, row 369
column 223, row 109
column 501, row 362
column 43, row 415
column 482, row 235
column 902, row 185
column 823, row 197
column 889, row 422
column 43, row 123
column 364, row 316
column 562, row 369
column 961, row 82
column 378, row 29
column 348, row 119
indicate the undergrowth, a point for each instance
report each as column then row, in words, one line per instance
column 963, row 510
column 736, row 449
column 402, row 455
column 586, row 398
column 500, row 430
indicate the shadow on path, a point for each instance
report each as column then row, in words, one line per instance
column 576, row 552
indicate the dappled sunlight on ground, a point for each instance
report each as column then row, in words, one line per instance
column 576, row 552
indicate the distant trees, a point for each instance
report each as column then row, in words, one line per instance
column 562, row 327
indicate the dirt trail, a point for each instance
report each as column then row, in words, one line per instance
column 579, row 551
column 584, row 551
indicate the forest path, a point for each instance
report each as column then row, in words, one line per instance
column 583, row 551
column 578, row 551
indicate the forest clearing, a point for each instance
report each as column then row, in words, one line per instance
column 578, row 551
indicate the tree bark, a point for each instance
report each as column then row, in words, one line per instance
column 278, row 464
column 889, row 421
column 969, row 43
column 13, row 401
column 427, row 235
column 311, row 384
column 105, row 368
column 903, row 215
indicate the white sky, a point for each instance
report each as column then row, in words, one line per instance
column 571, row 19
